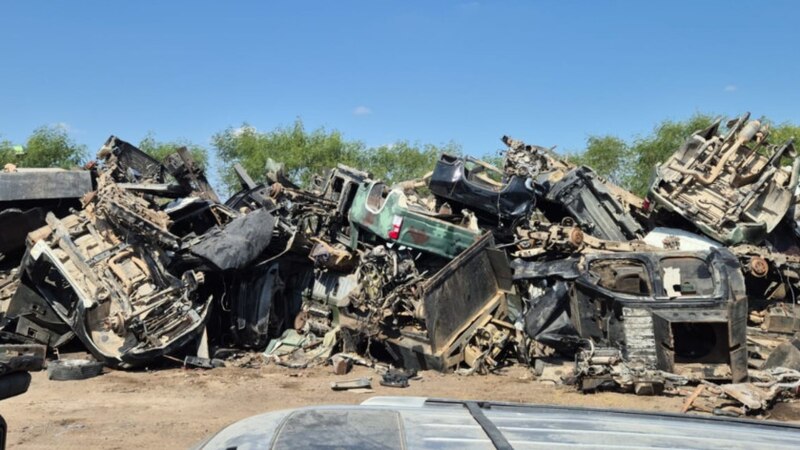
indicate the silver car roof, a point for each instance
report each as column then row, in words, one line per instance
column 422, row 423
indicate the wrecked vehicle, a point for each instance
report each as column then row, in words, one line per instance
column 107, row 293
column 124, row 275
column 15, row 363
column 255, row 302
column 113, row 292
column 150, row 265
column 681, row 313
column 602, row 209
column 525, row 160
column 27, row 195
column 507, row 201
column 772, row 280
column 447, row 309
column 580, row 194
column 434, row 322
column 391, row 217
column 729, row 183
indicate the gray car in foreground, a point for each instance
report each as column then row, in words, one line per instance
column 422, row 423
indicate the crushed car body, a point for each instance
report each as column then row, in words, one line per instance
column 467, row 269
column 601, row 208
column 581, row 196
column 116, row 276
column 433, row 319
column 681, row 313
column 729, row 183
column 390, row 217
column 508, row 201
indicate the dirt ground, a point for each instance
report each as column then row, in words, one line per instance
column 176, row 408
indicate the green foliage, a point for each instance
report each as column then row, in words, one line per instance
column 495, row 159
column 305, row 153
column 48, row 146
column 160, row 150
column 655, row 148
column 609, row 156
column 7, row 153
column 779, row 134
column 631, row 165
column 403, row 160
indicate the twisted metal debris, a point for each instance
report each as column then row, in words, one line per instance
column 471, row 269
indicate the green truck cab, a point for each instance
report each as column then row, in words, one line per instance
column 390, row 217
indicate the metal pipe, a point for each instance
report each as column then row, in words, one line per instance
column 748, row 132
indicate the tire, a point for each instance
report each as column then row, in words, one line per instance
column 3, row 433
column 73, row 369
column 13, row 384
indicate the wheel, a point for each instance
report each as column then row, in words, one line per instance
column 13, row 384
column 3, row 433
column 73, row 369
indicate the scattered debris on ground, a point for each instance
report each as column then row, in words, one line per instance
column 469, row 270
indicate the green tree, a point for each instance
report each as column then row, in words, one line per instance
column 648, row 151
column 609, row 156
column 7, row 153
column 495, row 159
column 781, row 133
column 47, row 146
column 160, row 150
column 631, row 165
column 303, row 153
column 403, row 160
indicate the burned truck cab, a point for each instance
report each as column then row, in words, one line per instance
column 636, row 318
column 679, row 312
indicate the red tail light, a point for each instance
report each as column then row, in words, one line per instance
column 397, row 223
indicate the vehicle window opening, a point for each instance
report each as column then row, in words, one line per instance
column 375, row 197
column 686, row 276
column 622, row 275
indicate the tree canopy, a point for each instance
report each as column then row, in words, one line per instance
column 305, row 153
column 663, row 141
column 160, row 149
column 631, row 164
column 403, row 160
column 628, row 163
column 608, row 156
column 47, row 146
column 783, row 132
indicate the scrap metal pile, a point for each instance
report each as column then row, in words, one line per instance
column 469, row 269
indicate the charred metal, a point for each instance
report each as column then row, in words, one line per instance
column 468, row 269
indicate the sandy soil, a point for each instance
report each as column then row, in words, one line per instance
column 176, row 408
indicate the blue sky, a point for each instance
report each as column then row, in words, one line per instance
column 551, row 73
